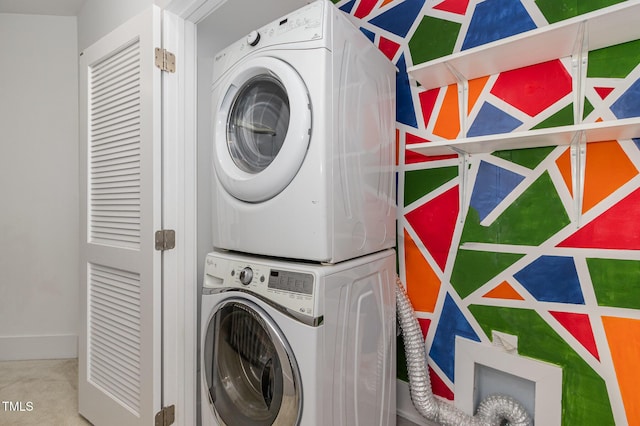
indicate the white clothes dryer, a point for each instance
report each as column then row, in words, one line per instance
column 292, row 343
column 304, row 140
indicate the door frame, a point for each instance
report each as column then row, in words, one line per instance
column 180, row 298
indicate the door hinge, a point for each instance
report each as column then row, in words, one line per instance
column 165, row 239
column 166, row 416
column 165, row 60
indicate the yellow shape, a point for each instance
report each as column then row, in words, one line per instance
column 607, row 169
column 564, row 165
column 448, row 121
column 504, row 291
column 623, row 336
column 475, row 89
column 423, row 285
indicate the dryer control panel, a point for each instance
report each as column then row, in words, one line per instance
column 285, row 289
column 304, row 25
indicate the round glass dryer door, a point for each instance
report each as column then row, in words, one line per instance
column 262, row 129
column 249, row 369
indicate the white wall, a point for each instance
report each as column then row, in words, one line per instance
column 97, row 18
column 39, row 283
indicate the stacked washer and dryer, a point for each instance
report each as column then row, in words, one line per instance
column 298, row 299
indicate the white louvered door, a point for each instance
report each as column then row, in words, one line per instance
column 120, row 197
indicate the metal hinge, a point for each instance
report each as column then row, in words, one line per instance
column 165, row 239
column 165, row 60
column 166, row 416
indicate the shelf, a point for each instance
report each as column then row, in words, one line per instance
column 627, row 128
column 602, row 28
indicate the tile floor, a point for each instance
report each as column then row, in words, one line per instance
column 45, row 393
column 39, row 393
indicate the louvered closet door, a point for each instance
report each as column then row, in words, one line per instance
column 120, row 344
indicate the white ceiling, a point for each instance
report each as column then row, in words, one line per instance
column 42, row 7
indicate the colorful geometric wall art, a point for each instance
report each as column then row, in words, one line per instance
column 504, row 244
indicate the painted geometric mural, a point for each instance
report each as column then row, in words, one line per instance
column 502, row 242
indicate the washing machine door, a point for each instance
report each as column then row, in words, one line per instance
column 249, row 369
column 262, row 128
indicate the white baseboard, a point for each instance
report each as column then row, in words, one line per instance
column 404, row 406
column 13, row 348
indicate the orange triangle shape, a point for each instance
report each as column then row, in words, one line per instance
column 504, row 291
column 564, row 166
column 423, row 285
column 622, row 337
column 607, row 168
column 475, row 89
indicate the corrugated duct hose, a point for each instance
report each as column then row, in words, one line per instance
column 495, row 410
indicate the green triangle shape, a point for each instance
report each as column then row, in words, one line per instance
column 612, row 278
column 614, row 61
column 588, row 107
column 564, row 117
column 418, row 183
column 559, row 10
column 536, row 215
column 433, row 38
column 529, row 157
column 472, row 269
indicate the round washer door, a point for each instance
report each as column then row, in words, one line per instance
column 250, row 372
column 262, row 129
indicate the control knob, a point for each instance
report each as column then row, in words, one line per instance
column 253, row 38
column 246, row 275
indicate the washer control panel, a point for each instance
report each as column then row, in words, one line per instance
column 286, row 288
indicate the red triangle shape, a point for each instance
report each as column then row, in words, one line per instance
column 439, row 387
column 617, row 228
column 410, row 139
column 424, row 326
column 428, row 100
column 603, row 92
column 579, row 326
column 435, row 222
column 388, row 47
column 364, row 8
column 454, row 6
column 411, row 157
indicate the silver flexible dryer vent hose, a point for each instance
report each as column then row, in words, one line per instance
column 495, row 410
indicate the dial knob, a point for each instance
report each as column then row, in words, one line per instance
column 253, row 38
column 246, row 275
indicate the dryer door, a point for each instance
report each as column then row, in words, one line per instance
column 249, row 369
column 262, row 128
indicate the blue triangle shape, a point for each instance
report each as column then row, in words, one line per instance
column 399, row 19
column 552, row 279
column 452, row 323
column 348, row 6
column 496, row 19
column 491, row 120
column 492, row 185
column 370, row 35
column 405, row 113
column 627, row 105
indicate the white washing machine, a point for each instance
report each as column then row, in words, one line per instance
column 289, row 343
column 304, row 140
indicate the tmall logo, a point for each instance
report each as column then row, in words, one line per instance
column 17, row 406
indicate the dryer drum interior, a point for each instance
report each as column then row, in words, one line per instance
column 250, row 379
column 258, row 123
